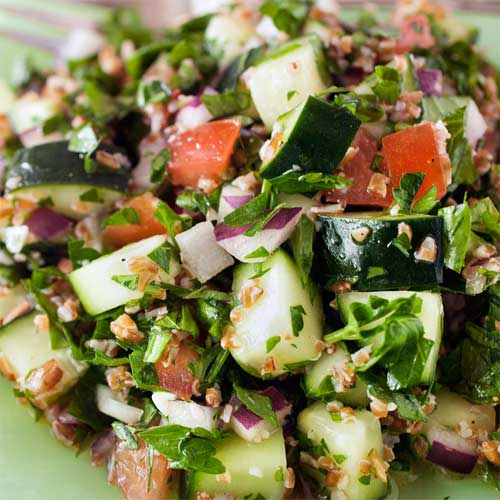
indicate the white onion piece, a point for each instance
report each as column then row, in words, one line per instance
column 186, row 413
column 148, row 148
column 475, row 124
column 81, row 43
column 228, row 195
column 108, row 403
column 194, row 113
column 201, row 252
column 450, row 450
column 274, row 234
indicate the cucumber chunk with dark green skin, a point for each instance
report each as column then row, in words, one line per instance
column 318, row 383
column 251, row 469
column 51, row 170
column 316, row 136
column 359, row 249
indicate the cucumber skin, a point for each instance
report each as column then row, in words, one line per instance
column 318, row 141
column 36, row 166
column 347, row 298
column 345, row 260
column 354, row 439
column 235, row 450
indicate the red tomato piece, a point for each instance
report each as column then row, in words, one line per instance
column 145, row 206
column 415, row 149
column 358, row 168
column 173, row 369
column 130, row 472
column 203, row 153
column 415, row 32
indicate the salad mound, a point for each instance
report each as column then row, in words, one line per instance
column 257, row 255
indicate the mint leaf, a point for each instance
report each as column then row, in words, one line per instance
column 257, row 403
column 122, row 217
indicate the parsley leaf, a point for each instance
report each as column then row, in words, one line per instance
column 272, row 342
column 130, row 281
column 170, row 220
column 257, row 254
column 296, row 313
column 302, row 243
column 157, row 342
column 457, row 234
column 79, row 254
column 185, row 448
column 230, row 102
column 92, row 196
column 162, row 255
column 387, row 84
column 125, row 433
column 127, row 215
column 402, row 243
column 249, row 212
column 158, row 166
column 257, row 403
column 295, row 181
column 287, row 15
column 408, row 187
column 152, row 92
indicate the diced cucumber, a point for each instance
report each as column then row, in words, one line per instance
column 284, row 79
column 227, row 34
column 431, row 315
column 352, row 439
column 11, row 300
column 51, row 171
column 32, row 111
column 315, row 137
column 359, row 248
column 318, row 380
column 25, row 348
column 264, row 341
column 252, row 469
column 94, row 285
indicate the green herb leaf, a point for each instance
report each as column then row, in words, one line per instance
column 272, row 342
column 375, row 272
column 127, row 434
column 261, row 222
column 157, row 342
column 158, row 166
column 230, row 102
column 127, row 215
column 387, row 85
column 296, row 313
column 130, row 281
column 249, row 212
column 257, row 254
column 171, row 221
column 92, row 196
column 426, row 202
column 162, row 256
column 457, row 234
column 257, row 403
column 402, row 243
column 152, row 92
column 287, row 15
column 408, row 188
column 302, row 243
column 294, row 181
column 80, row 254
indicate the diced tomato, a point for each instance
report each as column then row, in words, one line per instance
column 358, row 168
column 173, row 369
column 415, row 32
column 416, row 149
column 145, row 206
column 203, row 153
column 131, row 472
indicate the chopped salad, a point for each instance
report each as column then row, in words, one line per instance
column 256, row 256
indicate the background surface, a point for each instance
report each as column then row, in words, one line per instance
column 33, row 465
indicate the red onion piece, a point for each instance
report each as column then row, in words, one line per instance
column 273, row 235
column 450, row 458
column 237, row 201
column 47, row 224
column 243, row 415
column 431, row 81
column 102, row 448
column 278, row 401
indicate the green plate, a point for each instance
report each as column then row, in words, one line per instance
column 33, row 465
